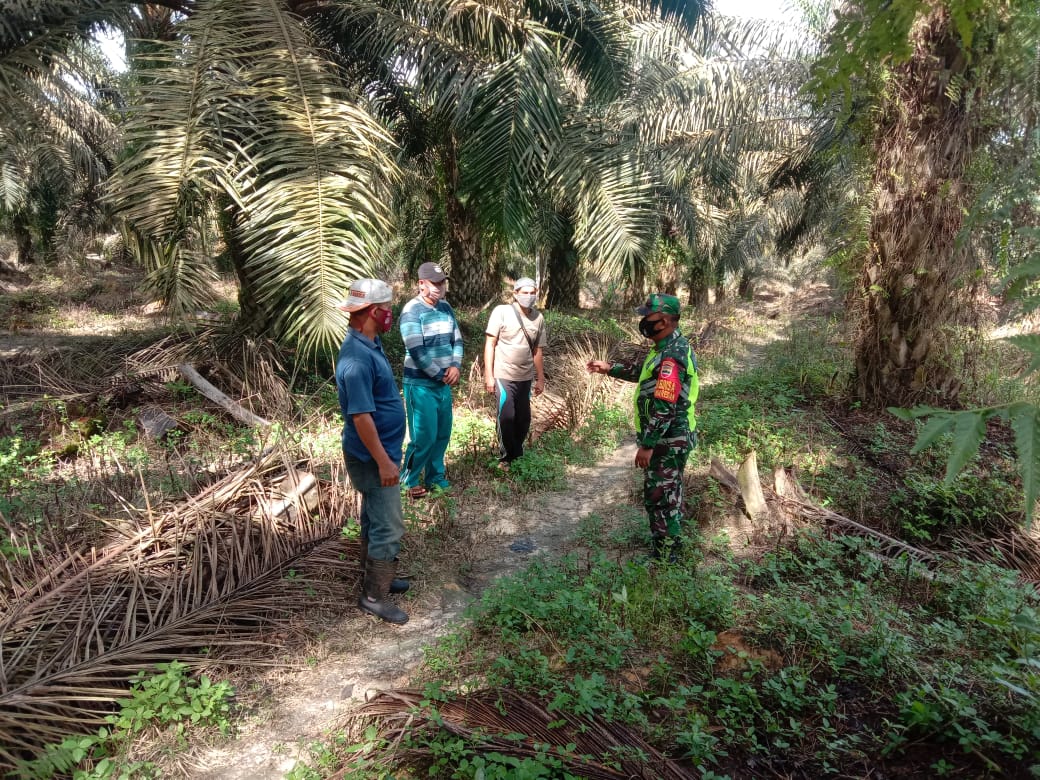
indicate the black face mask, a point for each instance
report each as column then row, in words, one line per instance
column 651, row 329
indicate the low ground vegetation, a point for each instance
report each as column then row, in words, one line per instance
column 805, row 656
column 815, row 655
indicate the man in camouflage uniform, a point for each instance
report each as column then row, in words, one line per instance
column 665, row 421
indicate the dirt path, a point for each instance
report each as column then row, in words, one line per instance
column 360, row 654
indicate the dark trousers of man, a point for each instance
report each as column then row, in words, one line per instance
column 514, row 417
column 382, row 518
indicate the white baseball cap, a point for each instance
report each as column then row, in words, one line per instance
column 524, row 281
column 366, row 292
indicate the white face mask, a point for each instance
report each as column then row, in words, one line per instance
column 526, row 299
column 432, row 292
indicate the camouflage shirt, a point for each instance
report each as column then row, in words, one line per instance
column 667, row 392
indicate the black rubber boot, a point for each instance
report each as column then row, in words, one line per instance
column 398, row 586
column 376, row 588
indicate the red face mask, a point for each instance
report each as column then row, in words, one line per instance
column 384, row 319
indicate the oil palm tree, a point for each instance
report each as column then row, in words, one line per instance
column 244, row 113
column 942, row 80
column 57, row 135
column 481, row 90
column 475, row 85
column 530, row 129
column 709, row 124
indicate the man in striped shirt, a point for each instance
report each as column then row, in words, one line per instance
column 432, row 366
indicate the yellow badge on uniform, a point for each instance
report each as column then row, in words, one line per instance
column 668, row 385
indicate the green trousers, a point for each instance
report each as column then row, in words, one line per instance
column 663, row 487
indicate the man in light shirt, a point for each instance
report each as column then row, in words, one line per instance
column 513, row 344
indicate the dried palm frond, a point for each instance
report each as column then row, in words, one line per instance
column 629, row 353
column 206, row 575
column 62, row 370
column 1006, row 545
column 250, row 368
column 572, row 391
column 506, row 722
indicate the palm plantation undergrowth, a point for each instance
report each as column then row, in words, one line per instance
column 690, row 661
column 809, row 654
column 258, row 155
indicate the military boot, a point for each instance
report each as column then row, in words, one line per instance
column 666, row 548
column 376, row 588
column 399, row 585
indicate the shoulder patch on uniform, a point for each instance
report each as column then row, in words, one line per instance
column 668, row 385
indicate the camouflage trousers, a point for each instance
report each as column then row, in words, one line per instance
column 663, row 487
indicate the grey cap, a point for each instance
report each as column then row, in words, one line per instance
column 524, row 281
column 366, row 292
column 432, row 272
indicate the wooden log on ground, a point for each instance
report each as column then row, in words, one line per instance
column 236, row 410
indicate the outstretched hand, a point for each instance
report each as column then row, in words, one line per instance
column 597, row 366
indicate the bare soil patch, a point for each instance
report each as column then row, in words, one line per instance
column 358, row 655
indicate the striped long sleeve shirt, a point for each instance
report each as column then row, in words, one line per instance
column 432, row 341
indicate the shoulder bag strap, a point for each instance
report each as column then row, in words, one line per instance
column 520, row 319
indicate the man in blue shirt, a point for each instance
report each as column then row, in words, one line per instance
column 432, row 365
column 373, row 432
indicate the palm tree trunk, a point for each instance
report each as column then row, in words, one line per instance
column 563, row 275
column 251, row 315
column 720, row 286
column 23, row 239
column 668, row 277
column 474, row 278
column 911, row 288
column 697, row 281
column 745, row 286
column 637, row 286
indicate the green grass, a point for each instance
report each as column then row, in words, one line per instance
column 838, row 670
column 821, row 654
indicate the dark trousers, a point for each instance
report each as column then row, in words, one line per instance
column 382, row 518
column 514, row 417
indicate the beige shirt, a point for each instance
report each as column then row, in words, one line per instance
column 513, row 359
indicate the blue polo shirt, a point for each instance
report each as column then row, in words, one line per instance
column 366, row 385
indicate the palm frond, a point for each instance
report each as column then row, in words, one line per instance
column 245, row 105
column 596, row 45
column 617, row 217
column 15, row 171
column 180, row 275
column 46, row 71
column 511, row 129
column 208, row 574
column 506, row 722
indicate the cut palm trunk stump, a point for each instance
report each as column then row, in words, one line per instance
column 776, row 510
